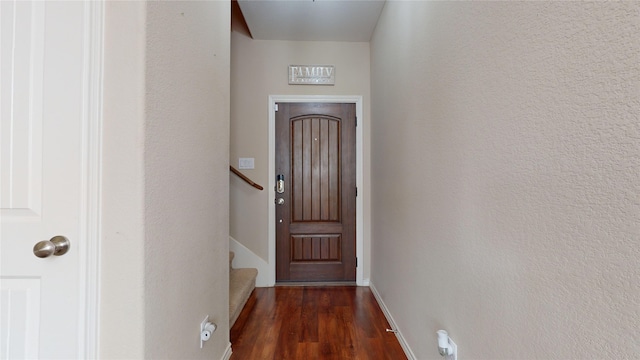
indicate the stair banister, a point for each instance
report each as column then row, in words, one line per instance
column 246, row 179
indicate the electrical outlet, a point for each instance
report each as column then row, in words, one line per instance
column 202, row 325
column 454, row 353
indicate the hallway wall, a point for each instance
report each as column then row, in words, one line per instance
column 504, row 164
column 259, row 69
column 122, row 223
column 165, row 226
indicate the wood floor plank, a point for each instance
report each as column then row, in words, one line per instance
column 329, row 336
column 308, row 350
column 289, row 315
column 314, row 322
column 309, row 317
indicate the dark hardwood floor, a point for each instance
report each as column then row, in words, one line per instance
column 313, row 322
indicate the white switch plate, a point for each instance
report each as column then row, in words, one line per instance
column 246, row 163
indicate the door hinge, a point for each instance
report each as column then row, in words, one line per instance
column 356, row 261
column 356, row 121
column 275, row 107
column 356, row 191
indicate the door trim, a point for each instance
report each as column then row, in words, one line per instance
column 91, row 157
column 355, row 99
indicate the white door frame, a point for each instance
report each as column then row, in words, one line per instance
column 273, row 99
column 89, row 258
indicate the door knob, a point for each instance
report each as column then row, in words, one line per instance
column 57, row 245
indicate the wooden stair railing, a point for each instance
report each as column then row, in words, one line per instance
column 246, row 179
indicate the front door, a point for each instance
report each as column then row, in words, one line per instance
column 41, row 126
column 315, row 192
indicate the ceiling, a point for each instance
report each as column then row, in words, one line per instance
column 311, row 20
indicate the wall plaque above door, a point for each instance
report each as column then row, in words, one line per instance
column 311, row 74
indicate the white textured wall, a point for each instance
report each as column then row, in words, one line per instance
column 165, row 225
column 259, row 68
column 186, row 177
column 122, row 242
column 506, row 177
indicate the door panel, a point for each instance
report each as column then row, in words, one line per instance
column 21, row 109
column 41, row 127
column 315, row 167
column 20, row 311
column 315, row 151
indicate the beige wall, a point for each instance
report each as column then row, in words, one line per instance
column 165, row 225
column 122, row 245
column 186, row 181
column 259, row 69
column 505, row 160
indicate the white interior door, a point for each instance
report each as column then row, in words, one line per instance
column 41, row 156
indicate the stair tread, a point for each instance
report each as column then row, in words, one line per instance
column 240, row 276
column 242, row 281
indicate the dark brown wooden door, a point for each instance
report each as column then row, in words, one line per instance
column 315, row 225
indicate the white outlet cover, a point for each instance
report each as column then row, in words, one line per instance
column 454, row 347
column 202, row 325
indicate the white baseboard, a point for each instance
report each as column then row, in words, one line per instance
column 227, row 353
column 392, row 323
column 245, row 258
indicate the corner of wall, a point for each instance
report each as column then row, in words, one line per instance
column 122, row 223
column 387, row 314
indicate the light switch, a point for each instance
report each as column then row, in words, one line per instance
column 245, row 163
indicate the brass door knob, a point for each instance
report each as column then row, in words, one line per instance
column 57, row 246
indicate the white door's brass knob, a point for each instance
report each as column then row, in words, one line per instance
column 57, row 245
